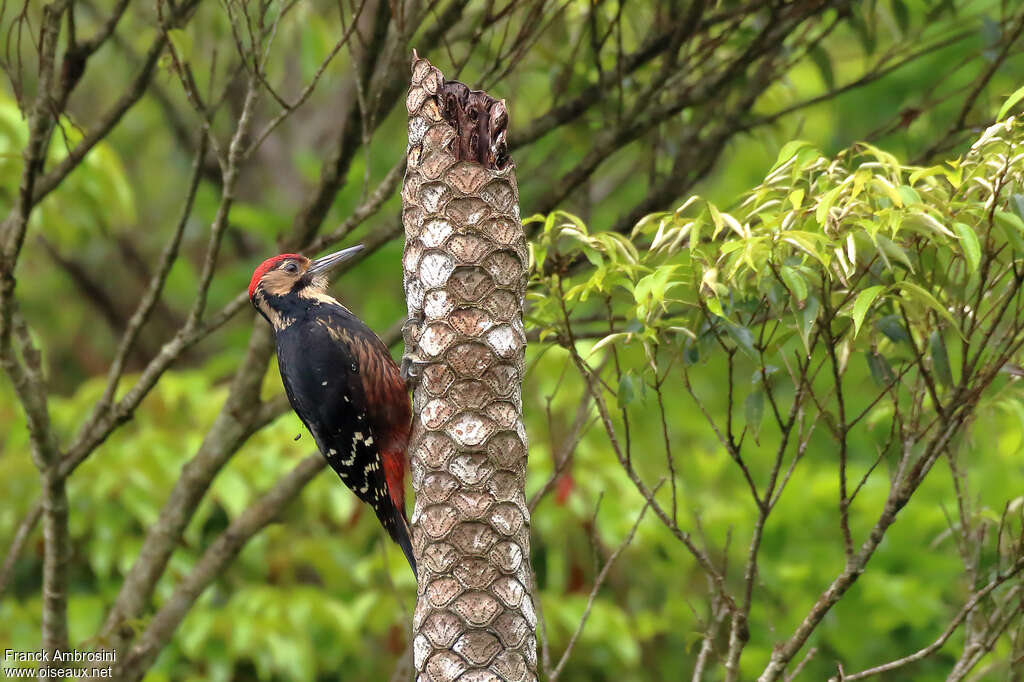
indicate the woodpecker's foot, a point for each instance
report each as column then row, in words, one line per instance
column 412, row 363
column 412, row 371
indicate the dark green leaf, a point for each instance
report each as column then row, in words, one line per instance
column 902, row 15
column 743, row 337
column 940, row 358
column 691, row 354
column 823, row 61
column 865, row 32
column 1012, row 227
column 892, row 327
column 1017, row 204
column 893, row 252
column 627, row 389
column 881, row 372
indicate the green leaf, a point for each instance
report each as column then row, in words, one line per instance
column 882, row 185
column 806, row 318
column 863, row 304
column 695, row 235
column 796, row 198
column 535, row 218
column 1010, row 102
column 1012, row 234
column 651, row 289
column 797, row 285
column 920, row 294
column 970, row 244
column 925, row 220
column 890, row 251
column 940, row 358
column 825, row 204
column 789, row 150
column 808, row 242
column 909, row 195
column 716, row 218
column 611, row 338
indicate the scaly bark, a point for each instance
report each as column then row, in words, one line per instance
column 465, row 267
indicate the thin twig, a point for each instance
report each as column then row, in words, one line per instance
column 920, row 654
column 18, row 544
column 598, row 581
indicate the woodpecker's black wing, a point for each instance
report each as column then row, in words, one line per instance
column 320, row 370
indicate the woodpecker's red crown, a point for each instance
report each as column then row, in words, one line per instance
column 272, row 264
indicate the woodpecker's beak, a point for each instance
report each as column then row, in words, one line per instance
column 325, row 264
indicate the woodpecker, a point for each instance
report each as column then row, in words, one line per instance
column 341, row 382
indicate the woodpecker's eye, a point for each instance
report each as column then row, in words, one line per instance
column 291, row 267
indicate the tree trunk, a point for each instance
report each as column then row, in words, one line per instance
column 465, row 268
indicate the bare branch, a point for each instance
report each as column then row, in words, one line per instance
column 52, row 179
column 899, row 495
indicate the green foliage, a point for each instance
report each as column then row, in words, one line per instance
column 297, row 604
column 96, row 200
column 858, row 267
column 310, row 598
column 880, row 243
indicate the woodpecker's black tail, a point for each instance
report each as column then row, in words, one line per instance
column 401, row 533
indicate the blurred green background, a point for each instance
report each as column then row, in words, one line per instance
column 320, row 595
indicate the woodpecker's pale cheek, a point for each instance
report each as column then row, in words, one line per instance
column 278, row 282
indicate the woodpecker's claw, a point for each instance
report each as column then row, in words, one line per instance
column 412, row 364
column 412, row 370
